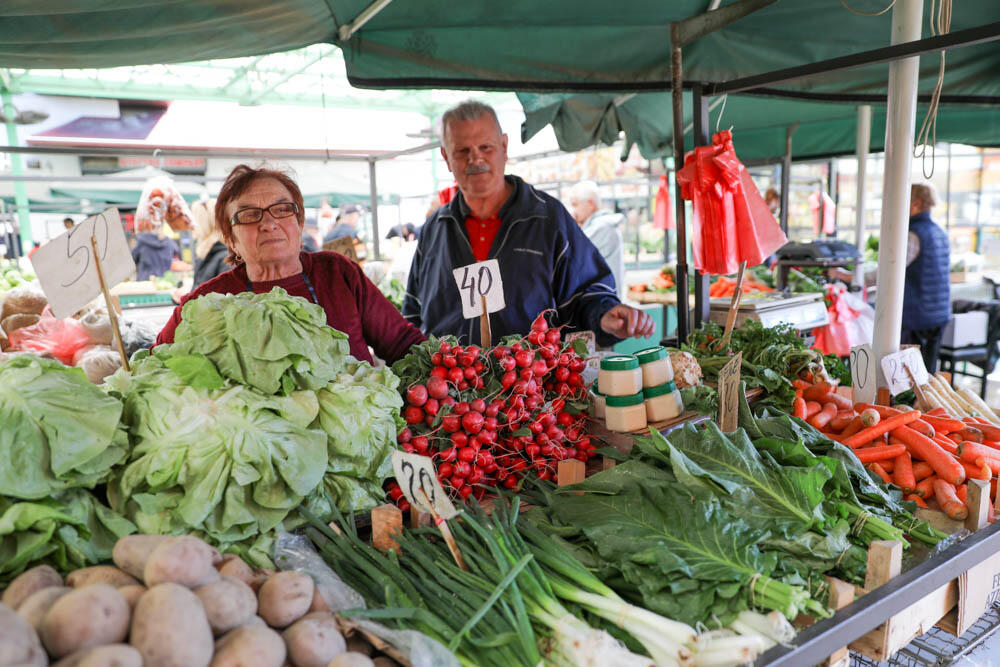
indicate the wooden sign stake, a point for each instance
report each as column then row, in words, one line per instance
column 449, row 539
column 921, row 397
column 733, row 306
column 485, row 335
column 111, row 306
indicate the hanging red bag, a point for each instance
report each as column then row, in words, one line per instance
column 663, row 213
column 847, row 326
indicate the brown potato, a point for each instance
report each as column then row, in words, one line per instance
column 86, row 617
column 19, row 644
column 132, row 594
column 184, row 560
column 28, row 582
column 351, row 660
column 169, row 628
column 33, row 609
column 109, row 655
column 132, row 551
column 100, row 574
column 229, row 603
column 314, row 640
column 236, row 567
column 383, row 661
column 359, row 644
column 254, row 645
column 23, row 299
column 285, row 598
column 318, row 603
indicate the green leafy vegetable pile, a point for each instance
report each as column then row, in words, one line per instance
column 772, row 357
column 60, row 436
column 256, row 409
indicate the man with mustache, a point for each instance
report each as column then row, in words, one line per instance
column 545, row 260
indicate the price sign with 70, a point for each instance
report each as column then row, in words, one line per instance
column 477, row 282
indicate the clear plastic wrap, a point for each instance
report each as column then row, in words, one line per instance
column 160, row 203
column 295, row 552
column 137, row 335
column 95, row 320
column 98, row 362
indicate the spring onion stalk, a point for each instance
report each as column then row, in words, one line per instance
column 773, row 625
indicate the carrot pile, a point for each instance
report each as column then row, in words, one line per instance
column 929, row 455
column 660, row 282
column 724, row 286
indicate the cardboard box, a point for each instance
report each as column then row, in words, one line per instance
column 966, row 329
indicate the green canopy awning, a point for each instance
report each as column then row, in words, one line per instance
column 759, row 123
column 577, row 45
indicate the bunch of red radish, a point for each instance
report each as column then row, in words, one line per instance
column 489, row 418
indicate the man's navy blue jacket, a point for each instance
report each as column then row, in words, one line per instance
column 545, row 262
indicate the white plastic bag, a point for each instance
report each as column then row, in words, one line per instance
column 160, row 203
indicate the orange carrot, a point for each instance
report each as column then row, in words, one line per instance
column 888, row 465
column 836, row 437
column 977, row 470
column 880, row 471
column 881, row 428
column 947, row 444
column 990, row 432
column 962, row 491
column 944, row 425
column 872, row 454
column 972, row 434
column 800, row 384
column 925, row 449
column 925, row 487
column 955, row 437
column 799, row 408
column 842, row 402
column 992, row 464
column 923, row 428
column 903, row 472
column 883, row 410
column 922, row 470
column 914, row 498
column 938, row 412
column 853, row 427
column 817, row 390
column 970, row 451
column 843, row 418
column 947, row 498
column 812, row 407
column 823, row 417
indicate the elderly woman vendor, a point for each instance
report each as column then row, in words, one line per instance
column 260, row 215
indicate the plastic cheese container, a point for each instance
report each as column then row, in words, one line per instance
column 625, row 413
column 655, row 365
column 662, row 402
column 620, row 375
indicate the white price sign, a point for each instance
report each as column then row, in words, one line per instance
column 65, row 265
column 894, row 367
column 417, row 478
column 477, row 282
column 863, row 374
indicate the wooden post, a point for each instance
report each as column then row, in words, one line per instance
column 733, row 306
column 112, row 316
column 977, row 500
column 841, row 595
column 386, row 520
column 606, row 463
column 885, row 561
column 883, row 396
column 571, row 471
column 485, row 335
column 418, row 518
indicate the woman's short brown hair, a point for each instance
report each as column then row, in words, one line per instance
column 236, row 184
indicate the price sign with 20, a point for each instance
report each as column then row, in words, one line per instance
column 418, row 480
column 477, row 282
column 66, row 266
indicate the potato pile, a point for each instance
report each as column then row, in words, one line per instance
column 172, row 602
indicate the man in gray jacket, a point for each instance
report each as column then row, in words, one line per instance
column 601, row 226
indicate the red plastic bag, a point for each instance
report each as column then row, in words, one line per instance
column 447, row 194
column 829, row 214
column 732, row 224
column 60, row 338
column 663, row 214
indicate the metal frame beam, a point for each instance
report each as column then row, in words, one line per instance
column 161, row 151
column 254, row 96
column 968, row 37
column 367, row 14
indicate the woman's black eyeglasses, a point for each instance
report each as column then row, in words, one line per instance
column 252, row 216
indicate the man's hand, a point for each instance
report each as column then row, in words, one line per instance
column 626, row 322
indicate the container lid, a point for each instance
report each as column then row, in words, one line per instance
column 621, row 362
column 659, row 390
column 624, row 401
column 652, row 354
column 595, row 390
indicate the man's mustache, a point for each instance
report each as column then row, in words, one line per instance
column 474, row 169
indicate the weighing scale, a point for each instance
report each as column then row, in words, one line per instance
column 802, row 311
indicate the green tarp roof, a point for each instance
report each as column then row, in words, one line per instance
column 759, row 123
column 575, row 45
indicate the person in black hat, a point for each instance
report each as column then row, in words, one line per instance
column 346, row 224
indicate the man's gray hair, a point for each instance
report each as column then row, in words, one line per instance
column 586, row 191
column 466, row 111
column 925, row 194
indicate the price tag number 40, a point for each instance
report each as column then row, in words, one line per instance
column 477, row 282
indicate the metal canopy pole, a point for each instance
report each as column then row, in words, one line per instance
column 701, row 138
column 786, row 176
column 900, row 119
column 374, row 203
column 861, row 149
